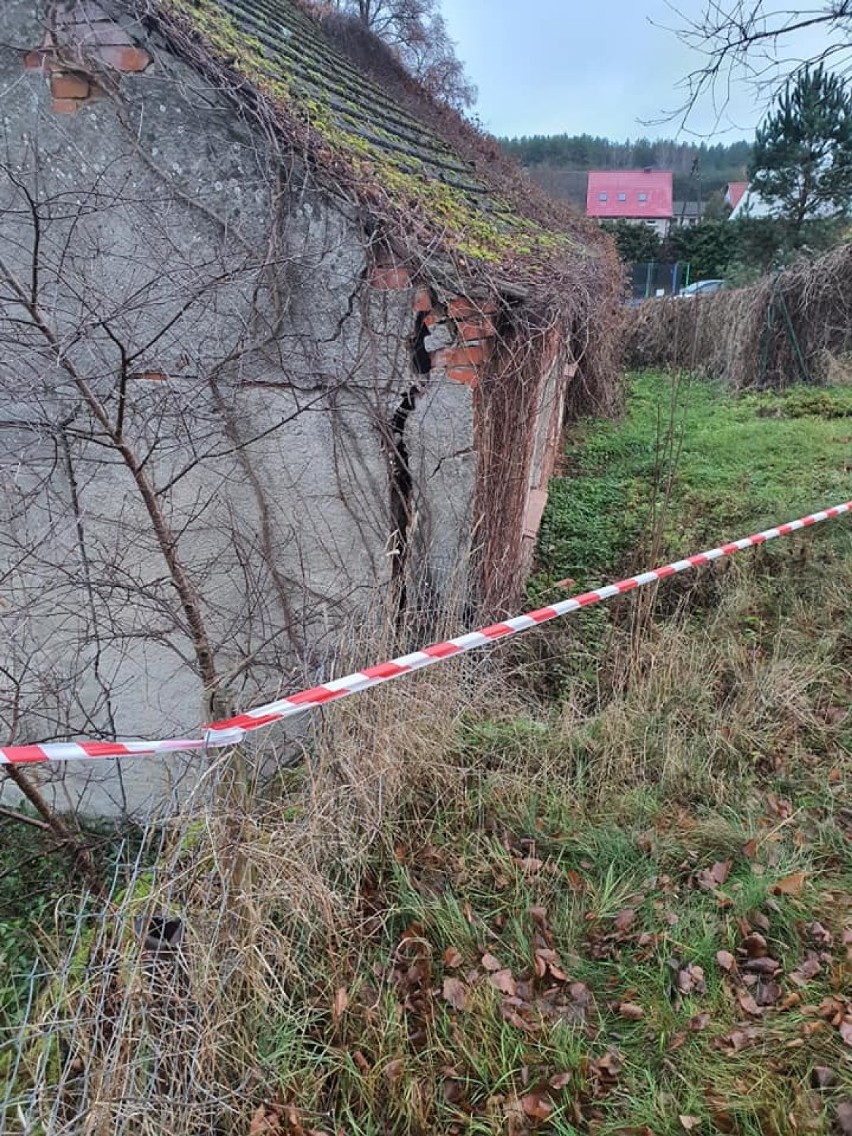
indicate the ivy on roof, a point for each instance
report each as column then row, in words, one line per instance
column 282, row 53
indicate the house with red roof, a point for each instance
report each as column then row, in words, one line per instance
column 734, row 192
column 632, row 195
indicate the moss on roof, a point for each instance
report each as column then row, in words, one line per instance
column 281, row 52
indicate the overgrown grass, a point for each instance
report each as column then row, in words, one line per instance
column 713, row 464
column 623, row 906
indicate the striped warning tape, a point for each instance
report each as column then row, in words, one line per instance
column 233, row 730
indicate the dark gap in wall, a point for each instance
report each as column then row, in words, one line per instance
column 401, row 486
column 420, row 359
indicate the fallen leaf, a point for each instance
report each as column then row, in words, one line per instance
column 822, row 1077
column 265, row 1122
column 537, row 1106
column 689, row 1122
column 748, row 1003
column 698, row 1023
column 726, row 960
column 624, row 920
column 503, row 981
column 452, row 957
column 791, row 885
column 393, row 1069
column 805, row 971
column 846, row 1031
column 456, row 993
column 755, row 946
column 765, row 965
column 714, row 877
column 819, row 935
column 631, row 1011
column 768, row 993
column 844, row 1118
column 341, row 1001
column 530, row 866
column 690, row 979
column 749, row 849
column 561, row 1081
column 491, row 963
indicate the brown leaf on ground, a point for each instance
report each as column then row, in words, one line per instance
column 394, row 1069
column 844, row 1118
column 547, row 962
column 689, row 1122
column 561, row 1081
column 530, row 866
column 822, row 1077
column 768, row 993
column 739, row 1038
column 765, row 965
column 624, row 920
column 489, row 962
column 456, row 993
column 806, row 970
column 845, row 1028
column 266, row 1122
column 698, row 1023
column 503, row 981
column 726, row 960
column 690, row 979
column 754, row 945
column 711, row 878
column 749, row 849
column 791, row 885
column 537, row 1105
column 631, row 1011
column 748, row 1004
column 608, row 1067
column 819, row 935
column 452, row 958
column 341, row 1001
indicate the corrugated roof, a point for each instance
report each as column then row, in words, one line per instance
column 630, row 194
column 280, row 50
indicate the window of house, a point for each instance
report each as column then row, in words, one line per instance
column 603, row 196
column 643, row 196
column 622, row 197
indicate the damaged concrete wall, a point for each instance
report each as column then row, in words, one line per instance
column 229, row 322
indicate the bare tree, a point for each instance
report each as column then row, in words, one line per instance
column 752, row 41
column 417, row 32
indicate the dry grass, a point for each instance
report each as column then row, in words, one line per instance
column 742, row 337
column 307, row 989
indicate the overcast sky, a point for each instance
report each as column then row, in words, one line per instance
column 575, row 67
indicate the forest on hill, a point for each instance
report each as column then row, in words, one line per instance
column 556, row 157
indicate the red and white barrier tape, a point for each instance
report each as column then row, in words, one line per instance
column 233, row 730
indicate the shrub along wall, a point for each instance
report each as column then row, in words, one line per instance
column 789, row 328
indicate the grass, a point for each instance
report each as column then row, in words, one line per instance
column 497, row 904
column 718, row 465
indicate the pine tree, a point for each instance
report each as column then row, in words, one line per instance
column 802, row 159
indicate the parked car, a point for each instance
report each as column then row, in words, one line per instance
column 701, row 288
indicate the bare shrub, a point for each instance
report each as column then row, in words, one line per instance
column 784, row 330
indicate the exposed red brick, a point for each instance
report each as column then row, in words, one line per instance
column 69, row 85
column 431, row 318
column 67, row 106
column 461, row 308
column 390, row 279
column 467, row 356
column 122, row 57
column 467, row 375
column 39, row 60
column 476, row 329
column 423, row 300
